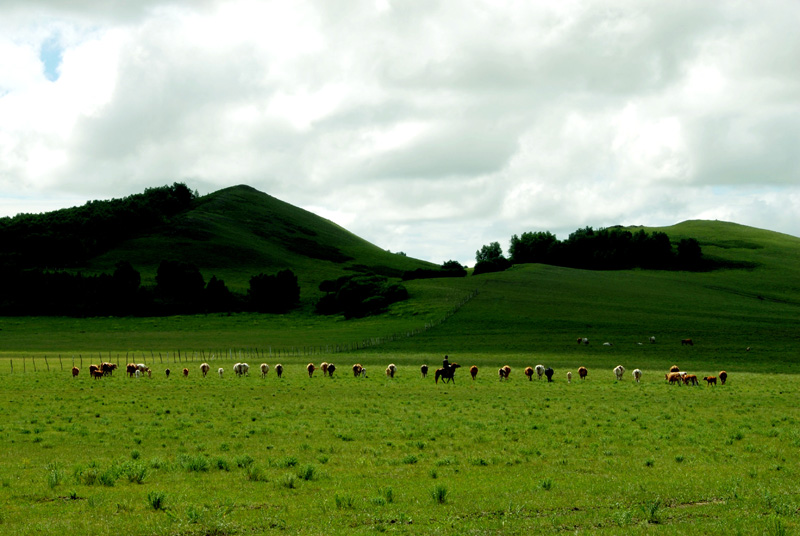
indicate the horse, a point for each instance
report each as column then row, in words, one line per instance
column 447, row 374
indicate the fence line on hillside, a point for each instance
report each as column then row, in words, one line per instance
column 244, row 353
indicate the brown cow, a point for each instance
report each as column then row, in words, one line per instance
column 582, row 372
column 310, row 368
column 529, row 373
column 687, row 342
column 357, row 368
column 75, row 371
column 93, row 369
column 96, row 373
column 690, row 378
column 711, row 380
column 204, row 368
column 186, row 373
column 130, row 369
column 473, row 371
column 674, row 368
column 673, row 377
column 723, row 377
column 324, row 367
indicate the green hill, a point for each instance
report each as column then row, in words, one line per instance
column 239, row 232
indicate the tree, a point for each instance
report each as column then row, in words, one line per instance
column 179, row 282
column 689, row 253
column 489, row 253
column 274, row 293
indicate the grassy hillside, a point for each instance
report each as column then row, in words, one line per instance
column 529, row 313
column 239, row 232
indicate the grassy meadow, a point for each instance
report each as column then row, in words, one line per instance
column 344, row 455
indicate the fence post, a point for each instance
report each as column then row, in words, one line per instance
column 60, row 363
column 33, row 359
column 46, row 363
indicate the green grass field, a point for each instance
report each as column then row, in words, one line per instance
column 303, row 455
column 358, row 456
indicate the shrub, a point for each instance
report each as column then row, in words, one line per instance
column 244, row 461
column 439, row 494
column 157, row 500
column 307, row 472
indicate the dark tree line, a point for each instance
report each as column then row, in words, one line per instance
column 604, row 249
column 359, row 295
column 180, row 289
column 68, row 237
column 448, row 269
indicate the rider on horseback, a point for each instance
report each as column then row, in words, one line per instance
column 446, row 365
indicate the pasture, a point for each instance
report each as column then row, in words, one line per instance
column 344, row 455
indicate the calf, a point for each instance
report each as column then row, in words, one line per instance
column 673, row 377
column 711, row 380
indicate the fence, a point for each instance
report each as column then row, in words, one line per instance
column 230, row 354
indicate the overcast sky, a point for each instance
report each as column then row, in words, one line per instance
column 428, row 127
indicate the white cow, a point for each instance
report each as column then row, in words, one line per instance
column 220, row 371
column 619, row 371
column 539, row 370
column 637, row 375
column 241, row 369
column 652, row 340
column 569, row 377
column 264, row 370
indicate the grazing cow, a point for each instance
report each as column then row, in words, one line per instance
column 674, row 368
column 279, row 370
column 508, row 371
column 141, row 367
column 687, row 342
column 501, row 372
column 637, row 375
column 331, row 370
column 723, row 377
column 569, row 377
column 167, row 372
column 264, row 369
column 204, row 368
column 138, row 373
column 96, row 373
column 93, row 369
column 529, row 373
column 108, row 368
column 241, row 369
column 310, row 368
column 711, row 380
column 619, row 370
column 446, row 375
column 582, row 372
column 549, row 373
column 75, row 371
column 220, row 371
column 357, row 370
column 185, row 372
column 424, row 370
column 690, row 379
column 539, row 370
column 473, row 371
column 673, row 377
column 324, row 367
column 652, row 340
column 391, row 370
column 130, row 369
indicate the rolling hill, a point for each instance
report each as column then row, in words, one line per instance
column 239, row 232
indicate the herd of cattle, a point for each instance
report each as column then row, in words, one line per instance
column 137, row 370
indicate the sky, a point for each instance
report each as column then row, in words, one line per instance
column 424, row 126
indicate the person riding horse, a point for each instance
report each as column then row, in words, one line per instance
column 446, row 365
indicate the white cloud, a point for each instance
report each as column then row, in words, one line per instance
column 426, row 127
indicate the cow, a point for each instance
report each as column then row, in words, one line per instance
column 619, row 370
column 204, row 368
column 673, row 377
column 687, row 342
column 529, row 373
column 637, row 375
column 424, row 371
column 473, row 371
column 75, row 371
column 539, row 370
column 549, row 373
column 723, row 377
column 711, row 380
column 582, row 372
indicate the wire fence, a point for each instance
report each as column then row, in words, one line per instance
column 34, row 363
